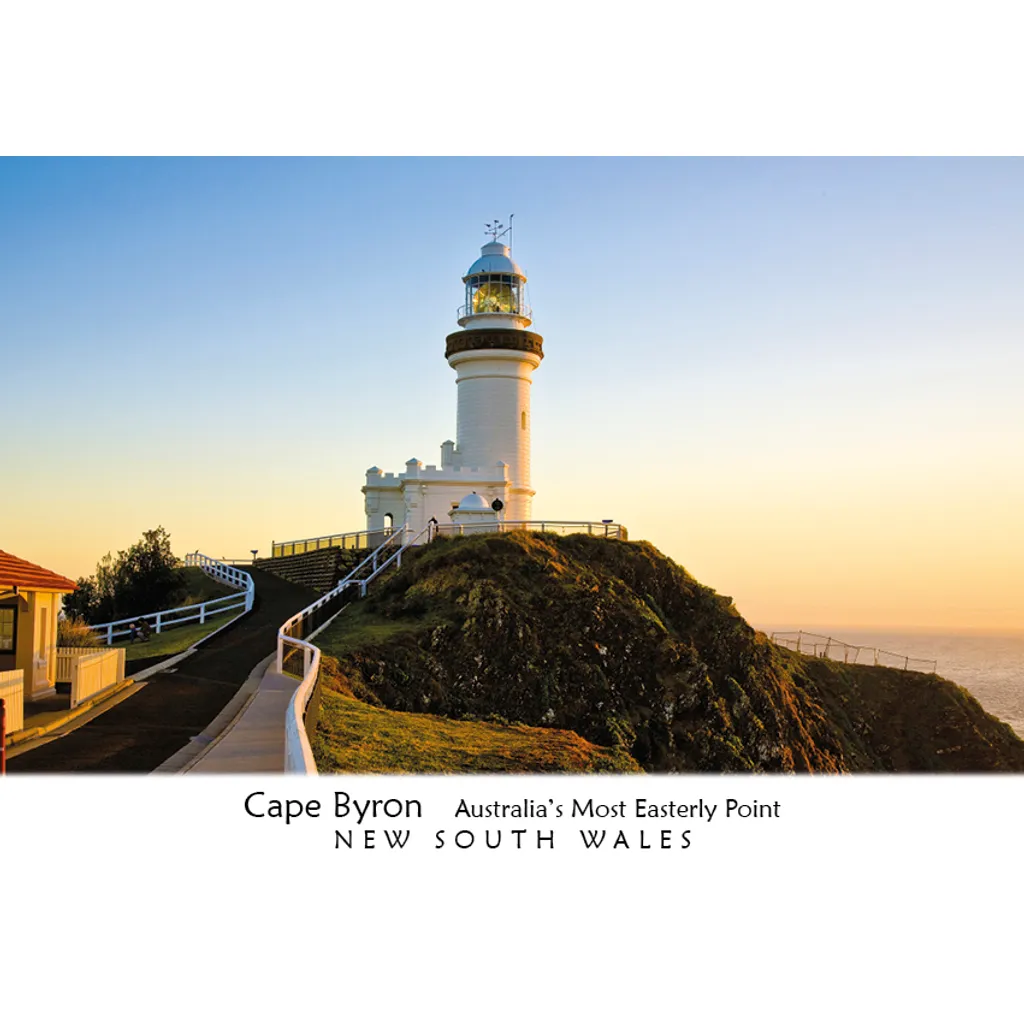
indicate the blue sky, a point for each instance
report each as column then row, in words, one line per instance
column 798, row 377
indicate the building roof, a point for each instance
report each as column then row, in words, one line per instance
column 473, row 502
column 495, row 258
column 16, row 572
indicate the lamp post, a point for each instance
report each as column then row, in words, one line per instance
column 254, row 553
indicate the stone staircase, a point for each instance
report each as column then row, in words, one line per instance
column 321, row 570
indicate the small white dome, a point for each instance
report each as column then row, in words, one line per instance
column 474, row 503
column 495, row 258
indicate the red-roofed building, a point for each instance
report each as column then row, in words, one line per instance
column 30, row 599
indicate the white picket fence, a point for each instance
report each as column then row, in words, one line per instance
column 95, row 672
column 171, row 617
column 12, row 689
column 66, row 657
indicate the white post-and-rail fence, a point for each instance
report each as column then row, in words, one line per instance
column 12, row 690
column 839, row 650
column 171, row 617
column 297, row 657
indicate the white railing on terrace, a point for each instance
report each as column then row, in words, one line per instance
column 172, row 617
column 296, row 656
column 605, row 528
column 467, row 309
column 355, row 541
column 12, row 690
column 371, row 539
column 838, row 650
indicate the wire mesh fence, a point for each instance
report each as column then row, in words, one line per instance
column 851, row 654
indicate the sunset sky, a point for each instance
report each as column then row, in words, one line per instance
column 800, row 378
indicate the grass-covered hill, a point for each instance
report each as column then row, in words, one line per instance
column 613, row 641
column 357, row 738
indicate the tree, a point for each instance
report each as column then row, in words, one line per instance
column 145, row 578
column 82, row 602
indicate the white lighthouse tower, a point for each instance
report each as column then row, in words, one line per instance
column 494, row 356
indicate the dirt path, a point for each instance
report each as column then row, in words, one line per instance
column 141, row 732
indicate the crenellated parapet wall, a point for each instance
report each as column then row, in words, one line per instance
column 423, row 493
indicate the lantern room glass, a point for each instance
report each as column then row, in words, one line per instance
column 494, row 293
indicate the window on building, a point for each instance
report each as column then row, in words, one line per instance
column 8, row 630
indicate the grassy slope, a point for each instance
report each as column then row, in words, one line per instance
column 359, row 737
column 614, row 641
column 202, row 587
column 908, row 721
column 355, row 737
column 179, row 638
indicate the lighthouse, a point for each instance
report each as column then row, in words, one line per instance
column 494, row 355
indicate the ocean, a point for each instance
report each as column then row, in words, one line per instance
column 989, row 666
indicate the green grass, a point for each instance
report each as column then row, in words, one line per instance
column 175, row 639
column 354, row 737
column 203, row 588
column 620, row 645
column 359, row 625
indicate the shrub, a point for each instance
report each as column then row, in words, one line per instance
column 75, row 632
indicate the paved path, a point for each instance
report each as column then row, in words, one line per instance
column 172, row 707
column 255, row 742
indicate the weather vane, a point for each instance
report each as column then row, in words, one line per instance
column 496, row 229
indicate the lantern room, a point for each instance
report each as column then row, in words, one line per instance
column 495, row 290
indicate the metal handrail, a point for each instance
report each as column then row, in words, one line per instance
column 371, row 560
column 298, row 752
column 425, row 532
column 326, row 541
column 609, row 530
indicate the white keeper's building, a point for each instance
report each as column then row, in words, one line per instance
column 493, row 356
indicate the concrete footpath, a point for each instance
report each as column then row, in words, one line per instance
column 254, row 740
column 51, row 715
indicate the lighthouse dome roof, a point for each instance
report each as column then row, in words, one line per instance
column 474, row 502
column 495, row 258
